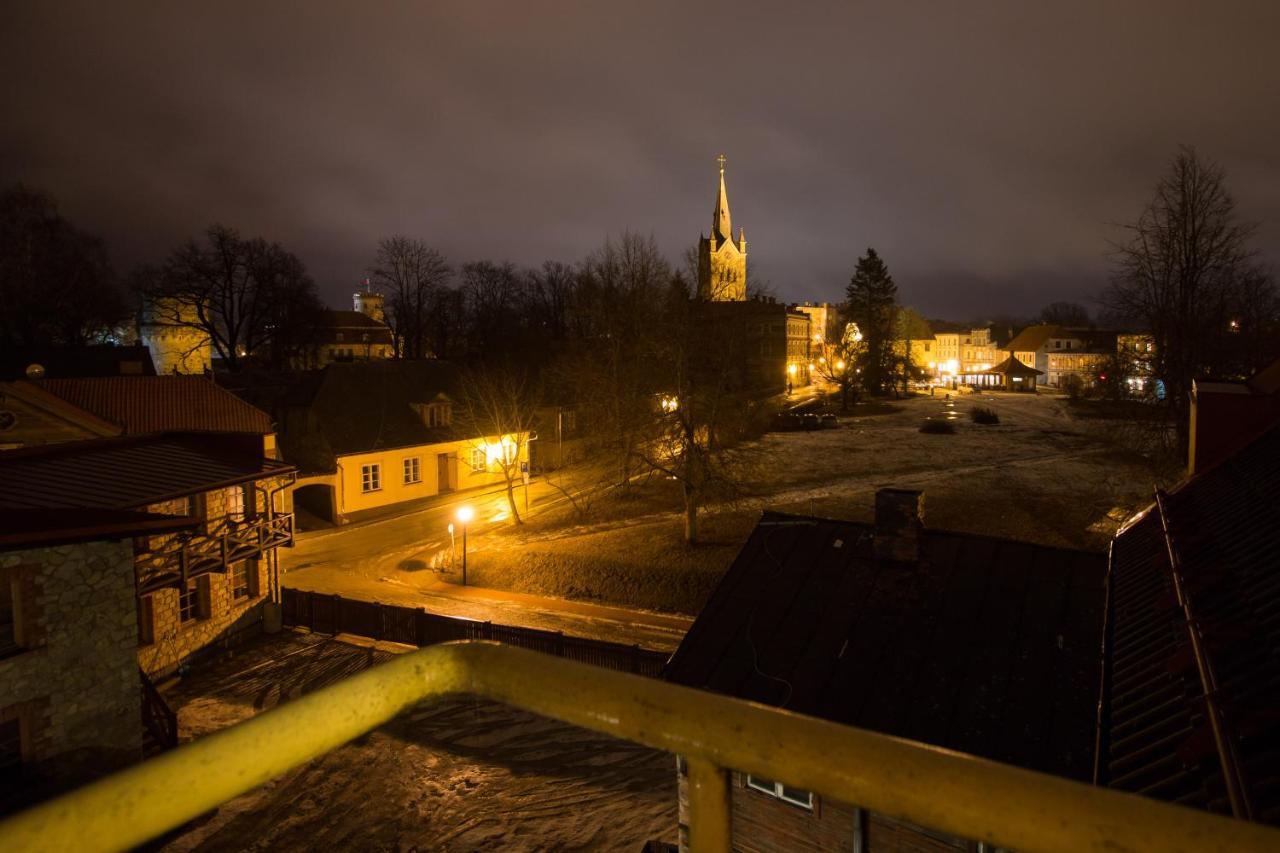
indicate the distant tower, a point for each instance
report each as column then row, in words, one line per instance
column 169, row 328
column 369, row 303
column 722, row 263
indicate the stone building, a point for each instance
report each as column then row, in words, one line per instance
column 198, row 589
column 168, row 327
column 71, row 696
column 722, row 263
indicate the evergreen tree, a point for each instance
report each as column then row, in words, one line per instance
column 870, row 303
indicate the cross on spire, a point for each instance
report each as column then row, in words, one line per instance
column 720, row 160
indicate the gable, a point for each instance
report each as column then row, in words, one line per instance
column 30, row 416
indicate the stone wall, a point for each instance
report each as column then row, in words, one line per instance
column 74, row 685
column 224, row 620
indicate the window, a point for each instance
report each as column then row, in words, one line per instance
column 795, row 796
column 244, row 579
column 570, row 421
column 146, row 621
column 510, row 450
column 10, row 639
column 235, row 502
column 479, row 459
column 371, row 478
column 412, row 470
column 193, row 600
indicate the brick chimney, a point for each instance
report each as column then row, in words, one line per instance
column 899, row 521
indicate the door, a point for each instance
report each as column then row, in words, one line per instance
column 443, row 481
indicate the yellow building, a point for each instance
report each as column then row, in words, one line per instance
column 722, row 263
column 372, row 436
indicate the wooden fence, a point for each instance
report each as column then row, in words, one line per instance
column 333, row 614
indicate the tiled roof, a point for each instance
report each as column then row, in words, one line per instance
column 987, row 646
column 151, row 404
column 1013, row 367
column 1224, row 527
column 128, row 473
column 1032, row 338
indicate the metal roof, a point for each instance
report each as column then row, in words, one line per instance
column 988, row 646
column 153, row 404
column 127, row 473
column 1214, row 573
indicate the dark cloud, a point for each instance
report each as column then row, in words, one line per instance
column 982, row 148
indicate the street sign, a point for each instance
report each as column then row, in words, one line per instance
column 524, row 469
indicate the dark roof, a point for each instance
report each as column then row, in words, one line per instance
column 352, row 326
column 77, row 362
column 128, row 473
column 1012, row 367
column 354, row 407
column 1224, row 527
column 20, row 529
column 987, row 646
column 152, row 404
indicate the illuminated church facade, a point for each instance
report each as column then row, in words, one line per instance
column 722, row 263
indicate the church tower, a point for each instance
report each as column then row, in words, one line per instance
column 722, row 263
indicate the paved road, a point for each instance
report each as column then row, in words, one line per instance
column 387, row 560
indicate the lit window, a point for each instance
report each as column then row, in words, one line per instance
column 235, row 503
column 371, row 478
column 412, row 470
column 479, row 459
column 795, row 796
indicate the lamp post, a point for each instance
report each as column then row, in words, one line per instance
column 465, row 514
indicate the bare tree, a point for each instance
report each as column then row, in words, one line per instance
column 695, row 424
column 412, row 276
column 1070, row 314
column 837, row 363
column 56, row 285
column 250, row 297
column 608, row 368
column 498, row 412
column 1181, row 273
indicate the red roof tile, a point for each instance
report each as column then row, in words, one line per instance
column 148, row 404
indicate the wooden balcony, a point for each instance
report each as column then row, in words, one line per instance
column 190, row 555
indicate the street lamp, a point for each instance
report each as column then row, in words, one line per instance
column 465, row 514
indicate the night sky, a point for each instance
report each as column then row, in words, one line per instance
column 982, row 148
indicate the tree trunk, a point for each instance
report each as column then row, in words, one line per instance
column 690, row 516
column 511, row 500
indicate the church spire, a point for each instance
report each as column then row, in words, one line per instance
column 721, row 227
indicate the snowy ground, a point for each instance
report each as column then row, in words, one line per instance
column 462, row 775
column 1040, row 475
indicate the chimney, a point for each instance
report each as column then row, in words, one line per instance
column 899, row 521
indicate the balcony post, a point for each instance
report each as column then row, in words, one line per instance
column 709, row 827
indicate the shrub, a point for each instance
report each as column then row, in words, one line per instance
column 937, row 427
column 983, row 415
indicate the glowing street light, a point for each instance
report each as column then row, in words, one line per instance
column 465, row 514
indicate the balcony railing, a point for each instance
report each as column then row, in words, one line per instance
column 194, row 554
column 964, row 796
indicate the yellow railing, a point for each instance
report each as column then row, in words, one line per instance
column 959, row 794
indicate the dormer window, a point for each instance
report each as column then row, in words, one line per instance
column 338, row 336
column 435, row 414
